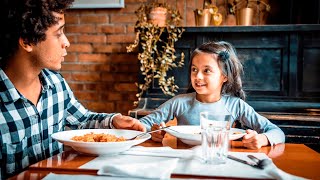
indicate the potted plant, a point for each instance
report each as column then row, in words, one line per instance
column 155, row 38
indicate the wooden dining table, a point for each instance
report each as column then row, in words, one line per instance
column 296, row 159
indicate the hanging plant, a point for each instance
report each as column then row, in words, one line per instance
column 156, row 39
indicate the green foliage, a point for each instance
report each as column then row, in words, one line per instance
column 157, row 50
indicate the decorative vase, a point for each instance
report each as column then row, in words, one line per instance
column 245, row 16
column 158, row 16
column 202, row 17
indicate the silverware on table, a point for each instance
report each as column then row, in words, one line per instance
column 244, row 162
column 142, row 134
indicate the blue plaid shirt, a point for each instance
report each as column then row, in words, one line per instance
column 26, row 129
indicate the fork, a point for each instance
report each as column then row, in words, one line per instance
column 260, row 163
column 142, row 134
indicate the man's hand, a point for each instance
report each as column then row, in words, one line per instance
column 158, row 136
column 127, row 122
column 253, row 140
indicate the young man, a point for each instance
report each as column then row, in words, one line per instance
column 35, row 100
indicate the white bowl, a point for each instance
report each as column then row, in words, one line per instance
column 190, row 134
column 100, row 148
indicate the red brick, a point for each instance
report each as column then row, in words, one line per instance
column 132, row 96
column 123, row 18
column 181, row 7
column 193, row 4
column 130, row 29
column 85, row 67
column 111, row 29
column 92, row 39
column 190, row 19
column 124, row 68
column 99, row 58
column 125, row 87
column 72, row 19
column 99, row 86
column 93, row 19
column 86, row 76
column 171, row 3
column 76, row 86
column 89, row 28
column 108, row 11
column 66, row 75
column 72, row 67
column 107, row 77
column 103, row 48
column 133, row 77
column 125, row 105
column 72, row 38
column 105, row 106
column 113, row 96
column 88, row 96
column 126, row 58
column 91, row 86
column 119, row 38
column 130, row 8
column 86, row 48
column 71, row 57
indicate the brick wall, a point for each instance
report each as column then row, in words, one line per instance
column 98, row 69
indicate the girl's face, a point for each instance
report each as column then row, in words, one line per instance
column 206, row 77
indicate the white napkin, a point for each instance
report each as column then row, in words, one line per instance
column 160, row 151
column 140, row 167
column 53, row 176
column 160, row 162
column 278, row 174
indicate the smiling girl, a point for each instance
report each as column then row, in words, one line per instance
column 216, row 85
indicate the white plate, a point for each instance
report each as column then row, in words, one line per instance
column 190, row 134
column 100, row 148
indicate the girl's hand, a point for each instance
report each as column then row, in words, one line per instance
column 158, row 136
column 253, row 140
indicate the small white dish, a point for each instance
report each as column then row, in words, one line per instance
column 190, row 134
column 100, row 148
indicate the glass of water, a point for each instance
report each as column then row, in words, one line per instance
column 215, row 137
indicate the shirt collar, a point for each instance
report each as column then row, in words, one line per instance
column 45, row 80
column 8, row 93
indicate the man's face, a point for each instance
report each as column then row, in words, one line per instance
column 50, row 53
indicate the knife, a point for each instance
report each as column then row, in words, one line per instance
column 243, row 161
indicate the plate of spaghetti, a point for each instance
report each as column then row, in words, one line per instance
column 100, row 141
column 191, row 134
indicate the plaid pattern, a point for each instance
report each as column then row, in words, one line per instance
column 26, row 129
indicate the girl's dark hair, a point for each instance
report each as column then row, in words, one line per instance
column 229, row 64
column 26, row 19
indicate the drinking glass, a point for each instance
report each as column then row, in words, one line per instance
column 215, row 137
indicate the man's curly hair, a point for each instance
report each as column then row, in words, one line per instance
column 28, row 19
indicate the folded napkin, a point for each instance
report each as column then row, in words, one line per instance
column 276, row 173
column 53, row 176
column 159, row 151
column 140, row 167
